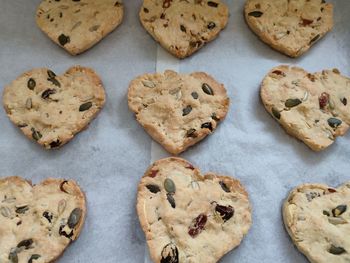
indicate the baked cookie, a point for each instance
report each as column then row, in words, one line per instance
column 290, row 27
column 51, row 109
column 311, row 107
column 37, row 223
column 78, row 25
column 188, row 217
column 317, row 218
column 183, row 27
column 178, row 110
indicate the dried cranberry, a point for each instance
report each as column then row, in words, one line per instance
column 331, row 190
column 190, row 166
column 323, row 99
column 306, row 22
column 279, row 72
column 197, row 225
column 153, row 173
column 226, row 212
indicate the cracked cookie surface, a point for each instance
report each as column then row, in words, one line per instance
column 290, row 27
column 317, row 218
column 51, row 109
column 37, row 223
column 183, row 27
column 188, row 217
column 178, row 110
column 78, row 25
column 311, row 107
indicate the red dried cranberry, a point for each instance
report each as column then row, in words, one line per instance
column 323, row 99
column 197, row 225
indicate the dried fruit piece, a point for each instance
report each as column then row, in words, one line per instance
column 197, row 225
column 256, row 14
column 169, row 186
column 290, row 103
column 211, row 25
column 212, row 4
column 191, row 133
column 226, row 212
column 323, row 100
column 36, row 134
column 85, row 106
column 153, row 188
column 170, row 254
column 63, row 39
column 207, row 125
column 55, row 144
column 334, row 122
column 340, row 209
column 344, row 101
column 207, row 89
column 336, row 250
column 74, row 217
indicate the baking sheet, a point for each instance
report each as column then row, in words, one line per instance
column 109, row 158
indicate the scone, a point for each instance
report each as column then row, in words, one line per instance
column 188, row 217
column 317, row 218
column 290, row 27
column 183, row 27
column 51, row 109
column 37, row 223
column 178, row 110
column 311, row 107
column 78, row 25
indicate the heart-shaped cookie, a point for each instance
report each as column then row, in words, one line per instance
column 78, row 25
column 290, row 27
column 312, row 107
column 37, row 223
column 188, row 217
column 51, row 109
column 317, row 218
column 183, row 27
column 178, row 110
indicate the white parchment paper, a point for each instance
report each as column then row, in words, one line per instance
column 109, row 158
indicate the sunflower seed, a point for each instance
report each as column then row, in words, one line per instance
column 21, row 209
column 29, row 104
column 207, row 89
column 36, row 134
column 5, row 211
column 187, row 110
column 148, row 84
column 13, row 255
column 256, row 14
column 85, row 106
column 171, row 200
column 336, row 250
column 31, row 84
column 224, row 187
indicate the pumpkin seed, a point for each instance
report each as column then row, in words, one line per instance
column 290, row 103
column 25, row 243
column 5, row 211
column 153, row 188
column 207, row 89
column 171, row 200
column 256, row 14
column 276, row 113
column 191, row 133
column 337, row 220
column 61, row 206
column 334, row 122
column 33, row 257
column 340, row 209
column 29, row 104
column 74, row 217
column 36, row 134
column 22, row 209
column 211, row 25
column 13, row 255
column 194, row 95
column 336, row 250
column 63, row 39
column 148, row 84
column 224, row 187
column 187, row 110
column 85, row 106
column 169, row 185
column 31, row 84
column 170, row 254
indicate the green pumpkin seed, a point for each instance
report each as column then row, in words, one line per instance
column 340, row 209
column 169, row 185
column 334, row 122
column 276, row 113
column 31, row 84
column 256, row 14
column 290, row 103
column 74, row 217
column 13, row 256
column 207, row 89
column 36, row 134
column 86, row 106
column 33, row 257
column 336, row 250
